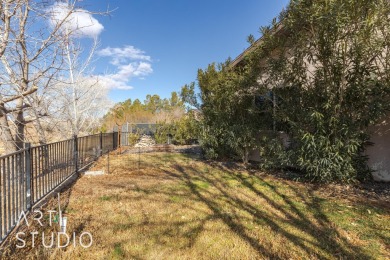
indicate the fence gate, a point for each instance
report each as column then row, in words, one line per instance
column 128, row 129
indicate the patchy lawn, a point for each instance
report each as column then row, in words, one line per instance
column 178, row 207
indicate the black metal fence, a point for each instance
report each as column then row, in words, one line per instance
column 128, row 131
column 139, row 128
column 30, row 174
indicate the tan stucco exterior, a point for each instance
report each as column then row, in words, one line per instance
column 379, row 153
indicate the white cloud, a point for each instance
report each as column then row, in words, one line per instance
column 133, row 70
column 129, row 62
column 108, row 82
column 119, row 80
column 120, row 55
column 78, row 21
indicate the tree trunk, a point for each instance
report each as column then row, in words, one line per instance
column 39, row 128
column 245, row 156
column 41, row 132
column 20, row 125
column 6, row 133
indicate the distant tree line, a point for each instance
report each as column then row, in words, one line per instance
column 172, row 116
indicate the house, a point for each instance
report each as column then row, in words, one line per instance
column 378, row 153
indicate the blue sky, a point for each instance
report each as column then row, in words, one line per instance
column 155, row 46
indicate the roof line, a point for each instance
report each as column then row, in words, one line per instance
column 239, row 58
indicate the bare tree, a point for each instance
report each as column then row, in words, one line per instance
column 8, row 10
column 31, row 60
column 78, row 109
column 87, row 97
column 39, row 110
column 81, row 99
column 28, row 56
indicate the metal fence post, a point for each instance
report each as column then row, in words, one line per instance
column 120, row 138
column 27, row 158
column 108, row 163
column 114, row 140
column 76, row 153
column 101, row 143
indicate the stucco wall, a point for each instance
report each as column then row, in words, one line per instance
column 379, row 153
column 254, row 155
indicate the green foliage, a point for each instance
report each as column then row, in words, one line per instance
column 188, row 96
column 170, row 115
column 183, row 131
column 152, row 110
column 187, row 130
column 251, row 39
column 273, row 152
column 230, row 117
column 133, row 138
column 335, row 78
column 323, row 76
column 162, row 132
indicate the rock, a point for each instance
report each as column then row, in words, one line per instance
column 145, row 141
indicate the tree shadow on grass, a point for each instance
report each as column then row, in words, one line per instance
column 176, row 203
column 307, row 228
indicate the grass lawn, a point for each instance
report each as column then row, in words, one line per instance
column 178, row 207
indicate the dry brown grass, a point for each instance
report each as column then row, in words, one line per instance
column 177, row 207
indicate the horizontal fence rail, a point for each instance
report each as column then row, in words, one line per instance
column 28, row 175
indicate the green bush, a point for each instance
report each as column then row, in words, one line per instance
column 322, row 75
column 330, row 94
column 183, row 131
column 273, row 153
column 133, row 138
column 162, row 131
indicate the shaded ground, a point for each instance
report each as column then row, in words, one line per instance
column 167, row 205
